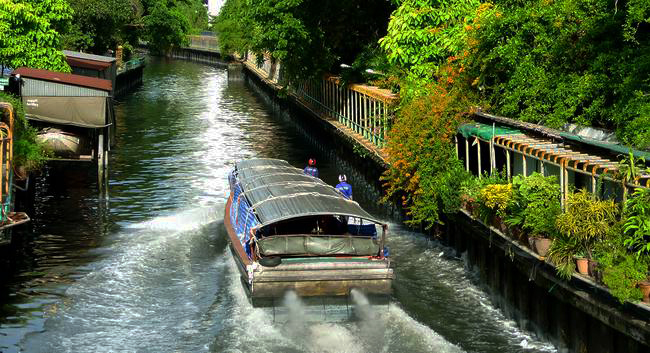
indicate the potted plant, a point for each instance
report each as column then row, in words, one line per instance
column 582, row 263
column 534, row 207
column 585, row 221
column 495, row 198
column 637, row 222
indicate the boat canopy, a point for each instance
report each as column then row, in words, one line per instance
column 278, row 191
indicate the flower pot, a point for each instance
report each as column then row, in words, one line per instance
column 542, row 245
column 583, row 266
column 595, row 271
column 645, row 289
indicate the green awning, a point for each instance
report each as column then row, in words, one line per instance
column 485, row 131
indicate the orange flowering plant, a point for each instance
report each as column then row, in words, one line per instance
column 425, row 172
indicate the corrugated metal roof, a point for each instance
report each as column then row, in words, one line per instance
column 65, row 79
column 277, row 191
column 40, row 88
column 87, row 56
column 87, row 64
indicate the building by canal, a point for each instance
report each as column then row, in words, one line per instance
column 150, row 271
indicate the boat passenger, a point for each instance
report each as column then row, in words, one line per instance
column 344, row 188
column 311, row 169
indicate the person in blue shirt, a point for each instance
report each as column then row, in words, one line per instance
column 344, row 188
column 311, row 169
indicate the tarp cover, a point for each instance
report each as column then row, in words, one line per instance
column 89, row 112
column 277, row 191
column 318, row 245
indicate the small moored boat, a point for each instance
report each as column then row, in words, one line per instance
column 290, row 231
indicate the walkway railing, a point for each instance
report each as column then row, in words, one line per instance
column 366, row 110
column 203, row 42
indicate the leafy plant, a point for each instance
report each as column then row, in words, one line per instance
column 535, row 204
column 29, row 36
column 587, row 219
column 561, row 253
column 629, row 170
column 28, row 152
column 637, row 224
column 621, row 270
column 622, row 275
column 496, row 198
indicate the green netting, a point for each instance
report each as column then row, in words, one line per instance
column 610, row 146
column 485, row 131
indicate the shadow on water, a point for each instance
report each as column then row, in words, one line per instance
column 152, row 272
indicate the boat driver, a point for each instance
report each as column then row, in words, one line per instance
column 344, row 188
column 311, row 169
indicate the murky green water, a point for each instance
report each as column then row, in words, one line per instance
column 149, row 271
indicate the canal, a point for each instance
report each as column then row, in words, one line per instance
column 149, row 271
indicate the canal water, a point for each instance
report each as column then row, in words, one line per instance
column 149, row 271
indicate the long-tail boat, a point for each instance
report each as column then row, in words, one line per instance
column 292, row 232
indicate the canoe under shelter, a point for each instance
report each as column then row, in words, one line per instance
column 73, row 113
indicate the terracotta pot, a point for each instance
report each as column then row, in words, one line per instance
column 542, row 245
column 645, row 289
column 583, row 265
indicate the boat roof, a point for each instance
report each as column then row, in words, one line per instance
column 278, row 191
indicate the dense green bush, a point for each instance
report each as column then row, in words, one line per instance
column 535, row 204
column 564, row 61
column 28, row 153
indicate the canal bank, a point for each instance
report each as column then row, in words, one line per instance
column 151, row 271
column 576, row 316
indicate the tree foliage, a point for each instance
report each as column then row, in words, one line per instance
column 100, row 24
column 165, row 26
column 550, row 62
column 28, row 35
column 308, row 36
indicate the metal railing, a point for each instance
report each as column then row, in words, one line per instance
column 203, row 42
column 131, row 64
column 366, row 110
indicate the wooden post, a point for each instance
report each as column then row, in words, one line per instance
column 563, row 180
column 467, row 154
column 478, row 154
column 541, row 168
column 593, row 184
column 100, row 160
column 523, row 156
column 456, row 145
column 508, row 172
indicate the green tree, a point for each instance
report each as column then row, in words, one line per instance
column 100, row 24
column 28, row 35
column 165, row 26
column 422, row 34
column 307, row 36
